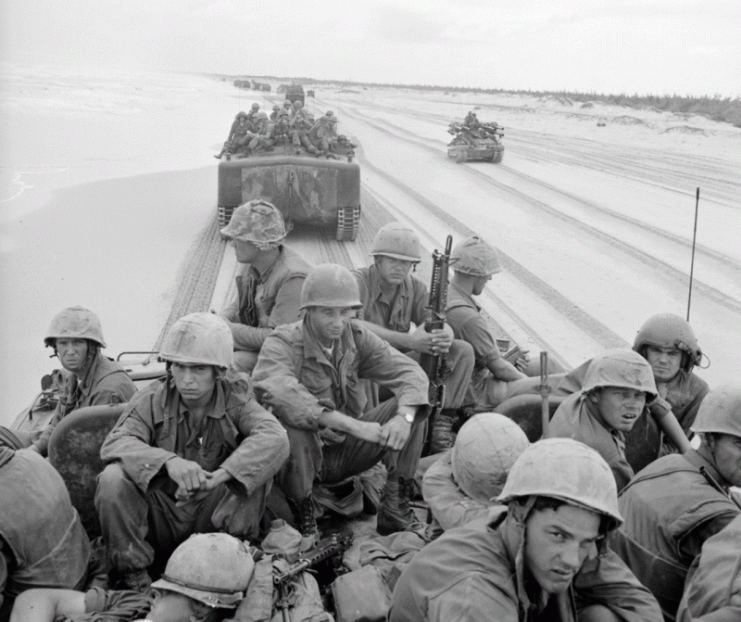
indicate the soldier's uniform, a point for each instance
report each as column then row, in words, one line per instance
column 44, row 542
column 319, row 135
column 264, row 300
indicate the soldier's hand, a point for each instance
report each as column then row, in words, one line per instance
column 424, row 342
column 188, row 475
column 522, row 363
column 394, row 433
column 368, row 431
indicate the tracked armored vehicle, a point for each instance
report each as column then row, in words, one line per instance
column 482, row 141
column 306, row 189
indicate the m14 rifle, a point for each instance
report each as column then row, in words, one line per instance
column 434, row 364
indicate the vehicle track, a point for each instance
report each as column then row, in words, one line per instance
column 659, row 265
column 601, row 157
column 197, row 277
column 566, row 308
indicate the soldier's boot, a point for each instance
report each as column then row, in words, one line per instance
column 303, row 510
column 441, row 432
column 137, row 580
column 396, row 514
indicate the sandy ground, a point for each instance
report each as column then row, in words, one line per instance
column 107, row 181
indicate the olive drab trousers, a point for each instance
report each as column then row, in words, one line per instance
column 310, row 460
column 141, row 529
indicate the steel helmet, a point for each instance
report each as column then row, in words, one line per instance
column 485, row 449
column 287, row 103
column 565, row 469
column 398, row 241
column 475, row 257
column 720, row 412
column 199, row 339
column 241, row 113
column 261, row 116
column 255, row 106
column 276, row 107
column 330, row 285
column 212, row 568
column 256, row 221
column 667, row 330
column 75, row 323
column 620, row 367
column 298, row 104
column 329, row 114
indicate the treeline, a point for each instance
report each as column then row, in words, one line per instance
column 717, row 108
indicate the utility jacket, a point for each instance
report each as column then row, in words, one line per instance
column 670, row 509
column 105, row 383
column 264, row 301
column 237, row 434
column 296, row 378
column 409, row 303
column 713, row 589
column 463, row 315
column 449, row 505
column 39, row 526
column 472, row 574
column 578, row 418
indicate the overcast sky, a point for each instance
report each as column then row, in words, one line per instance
column 644, row 46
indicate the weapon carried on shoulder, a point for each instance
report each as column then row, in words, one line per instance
column 434, row 364
column 326, row 548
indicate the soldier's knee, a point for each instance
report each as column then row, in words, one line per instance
column 112, row 482
column 597, row 613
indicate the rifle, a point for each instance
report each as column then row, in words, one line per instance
column 545, row 391
column 326, row 548
column 434, row 364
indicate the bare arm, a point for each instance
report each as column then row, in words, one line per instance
column 44, row 605
column 504, row 370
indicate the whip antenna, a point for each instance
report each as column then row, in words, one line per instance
column 694, row 240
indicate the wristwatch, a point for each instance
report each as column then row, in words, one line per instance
column 408, row 417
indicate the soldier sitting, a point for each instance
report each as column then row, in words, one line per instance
column 191, row 453
column 392, row 300
column 474, row 262
column 77, row 337
column 263, row 136
column 274, row 114
column 319, row 136
column 677, row 502
column 268, row 292
column 252, row 114
column 617, row 388
column 309, row 373
column 538, row 559
column 206, row 573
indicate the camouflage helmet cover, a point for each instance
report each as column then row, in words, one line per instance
column 211, row 568
column 475, row 257
column 256, row 221
column 75, row 323
column 622, row 368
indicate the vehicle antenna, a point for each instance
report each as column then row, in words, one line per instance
column 694, row 240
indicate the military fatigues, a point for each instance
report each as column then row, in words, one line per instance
column 300, row 380
column 264, row 301
column 464, row 317
column 264, row 138
column 578, row 418
column 471, row 574
column 43, row 537
column 239, row 136
column 106, row 383
column 449, row 505
column 713, row 586
column 135, row 496
column 319, row 136
column 408, row 305
column 670, row 509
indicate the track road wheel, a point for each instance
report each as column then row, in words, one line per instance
column 460, row 157
column 224, row 216
column 348, row 221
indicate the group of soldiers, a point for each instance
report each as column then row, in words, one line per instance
column 292, row 125
column 472, row 128
column 310, row 378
